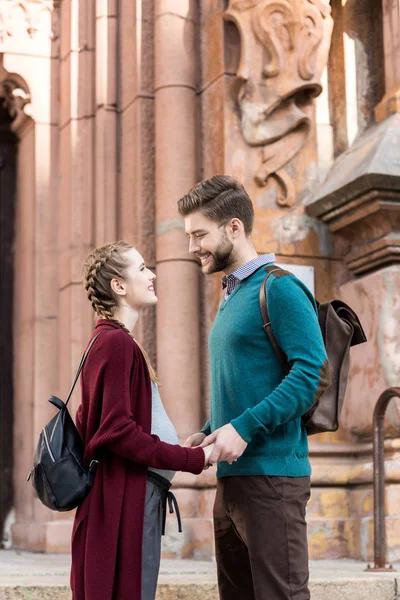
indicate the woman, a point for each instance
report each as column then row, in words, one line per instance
column 117, row 530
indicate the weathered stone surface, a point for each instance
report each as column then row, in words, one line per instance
column 374, row 365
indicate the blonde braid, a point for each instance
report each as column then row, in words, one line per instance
column 100, row 267
column 103, row 307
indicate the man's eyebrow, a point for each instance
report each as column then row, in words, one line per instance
column 196, row 231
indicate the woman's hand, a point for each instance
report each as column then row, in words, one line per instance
column 207, row 452
column 194, row 440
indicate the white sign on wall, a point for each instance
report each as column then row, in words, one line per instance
column 304, row 272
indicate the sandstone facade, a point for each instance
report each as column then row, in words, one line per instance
column 115, row 109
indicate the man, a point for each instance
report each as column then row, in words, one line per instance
column 263, row 472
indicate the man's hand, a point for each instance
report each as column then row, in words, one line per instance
column 229, row 445
column 194, row 440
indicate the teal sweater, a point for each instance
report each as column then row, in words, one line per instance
column 248, row 387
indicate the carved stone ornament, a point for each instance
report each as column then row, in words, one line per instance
column 14, row 95
column 31, row 10
column 284, row 49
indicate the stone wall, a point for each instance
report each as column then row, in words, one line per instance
column 122, row 106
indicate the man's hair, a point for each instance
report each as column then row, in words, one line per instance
column 220, row 199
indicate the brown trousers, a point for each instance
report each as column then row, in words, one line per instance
column 261, row 537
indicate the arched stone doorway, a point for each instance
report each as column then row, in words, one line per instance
column 8, row 151
column 13, row 97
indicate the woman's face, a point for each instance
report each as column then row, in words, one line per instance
column 138, row 283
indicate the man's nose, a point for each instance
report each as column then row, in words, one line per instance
column 193, row 246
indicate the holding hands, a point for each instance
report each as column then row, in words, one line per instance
column 224, row 444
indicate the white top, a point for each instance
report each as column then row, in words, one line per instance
column 162, row 426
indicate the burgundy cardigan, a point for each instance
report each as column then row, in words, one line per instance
column 114, row 420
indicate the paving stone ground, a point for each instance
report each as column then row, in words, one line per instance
column 29, row 576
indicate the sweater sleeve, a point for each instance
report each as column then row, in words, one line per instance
column 206, row 429
column 294, row 321
column 118, row 430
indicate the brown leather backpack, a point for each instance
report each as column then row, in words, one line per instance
column 340, row 329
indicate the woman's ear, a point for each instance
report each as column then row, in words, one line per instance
column 118, row 286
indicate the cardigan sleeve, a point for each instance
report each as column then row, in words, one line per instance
column 110, row 377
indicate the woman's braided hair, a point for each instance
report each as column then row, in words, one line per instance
column 100, row 267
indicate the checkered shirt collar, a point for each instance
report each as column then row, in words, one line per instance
column 230, row 282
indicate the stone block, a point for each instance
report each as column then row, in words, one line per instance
column 106, row 8
column 137, row 210
column 210, row 6
column 185, row 9
column 206, row 503
column 175, row 124
column 137, row 52
column 213, row 129
column 329, row 538
column 83, row 16
column 82, row 70
column 188, row 500
column 65, row 90
column 212, row 48
column 46, row 536
column 65, row 31
column 329, row 503
column 374, row 366
column 106, row 72
column 196, row 541
column 106, row 176
column 174, row 67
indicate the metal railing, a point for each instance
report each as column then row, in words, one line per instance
column 379, row 480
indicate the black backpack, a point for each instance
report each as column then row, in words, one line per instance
column 58, row 475
column 340, row 329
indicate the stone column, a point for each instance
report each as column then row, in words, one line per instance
column 31, row 72
column 178, row 339
column 360, row 203
column 136, row 214
column 106, row 122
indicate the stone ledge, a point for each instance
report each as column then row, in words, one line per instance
column 361, row 589
column 33, row 576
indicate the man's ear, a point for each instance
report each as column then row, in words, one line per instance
column 118, row 286
column 236, row 226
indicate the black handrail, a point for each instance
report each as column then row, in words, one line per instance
column 379, row 480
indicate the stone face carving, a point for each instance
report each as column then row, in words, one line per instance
column 30, row 10
column 284, row 49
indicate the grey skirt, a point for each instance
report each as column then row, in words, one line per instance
column 155, row 512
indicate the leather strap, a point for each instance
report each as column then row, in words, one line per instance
column 83, row 360
column 267, row 322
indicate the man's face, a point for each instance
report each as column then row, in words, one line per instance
column 209, row 241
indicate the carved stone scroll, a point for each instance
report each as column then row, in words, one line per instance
column 284, row 49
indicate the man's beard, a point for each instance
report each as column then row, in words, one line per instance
column 221, row 258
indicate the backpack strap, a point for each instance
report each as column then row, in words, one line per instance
column 83, row 360
column 267, row 321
